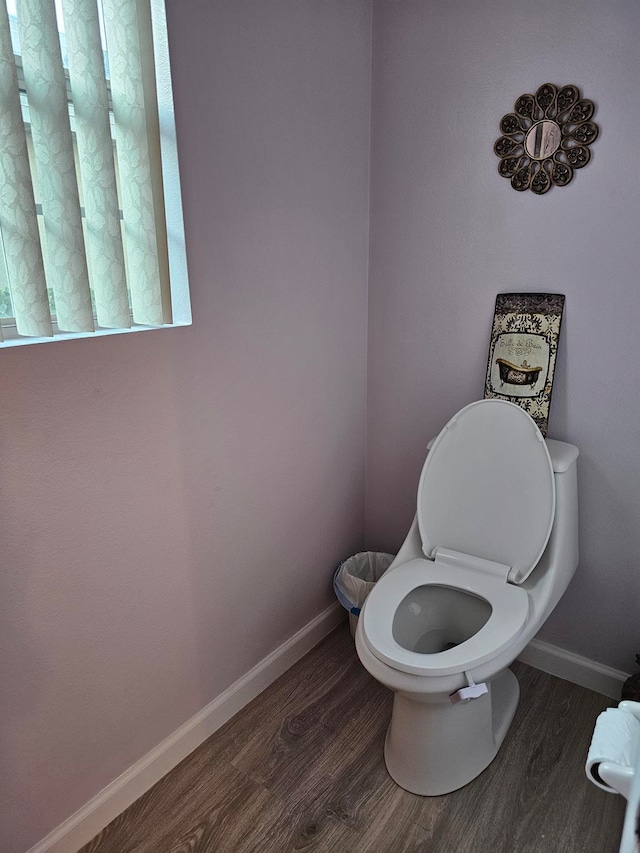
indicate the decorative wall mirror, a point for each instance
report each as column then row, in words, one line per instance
column 546, row 138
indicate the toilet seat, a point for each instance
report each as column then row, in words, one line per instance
column 485, row 509
column 509, row 611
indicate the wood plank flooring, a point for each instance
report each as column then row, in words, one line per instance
column 301, row 769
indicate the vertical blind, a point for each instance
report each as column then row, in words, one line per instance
column 81, row 211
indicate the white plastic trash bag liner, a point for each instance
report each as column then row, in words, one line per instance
column 355, row 578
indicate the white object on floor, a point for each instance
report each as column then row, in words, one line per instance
column 491, row 551
column 613, row 764
column 614, row 747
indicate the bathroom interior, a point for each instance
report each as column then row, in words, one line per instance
column 174, row 503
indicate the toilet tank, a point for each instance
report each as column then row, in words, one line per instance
column 550, row 578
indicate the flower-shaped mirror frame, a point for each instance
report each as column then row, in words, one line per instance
column 546, row 138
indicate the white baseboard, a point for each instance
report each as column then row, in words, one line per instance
column 81, row 827
column 572, row 667
column 88, row 821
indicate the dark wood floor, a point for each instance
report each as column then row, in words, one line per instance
column 301, row 768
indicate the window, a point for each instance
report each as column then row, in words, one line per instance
column 91, row 232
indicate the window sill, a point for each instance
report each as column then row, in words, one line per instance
column 12, row 339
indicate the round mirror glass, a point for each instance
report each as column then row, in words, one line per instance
column 542, row 139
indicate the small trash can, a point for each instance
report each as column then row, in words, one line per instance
column 354, row 579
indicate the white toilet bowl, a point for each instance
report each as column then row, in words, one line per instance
column 491, row 551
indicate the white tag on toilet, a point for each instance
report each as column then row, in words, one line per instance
column 472, row 691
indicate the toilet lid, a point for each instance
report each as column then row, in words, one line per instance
column 487, row 488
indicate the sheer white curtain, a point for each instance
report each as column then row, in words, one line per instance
column 98, row 192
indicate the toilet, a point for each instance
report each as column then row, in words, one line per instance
column 492, row 548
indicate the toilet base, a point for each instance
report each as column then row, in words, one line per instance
column 436, row 748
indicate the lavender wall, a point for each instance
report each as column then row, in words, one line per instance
column 447, row 234
column 173, row 502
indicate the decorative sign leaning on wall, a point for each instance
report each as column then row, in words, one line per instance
column 546, row 138
column 522, row 352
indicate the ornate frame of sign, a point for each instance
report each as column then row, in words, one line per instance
column 546, row 138
column 522, row 352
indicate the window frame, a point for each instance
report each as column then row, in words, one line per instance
column 172, row 200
